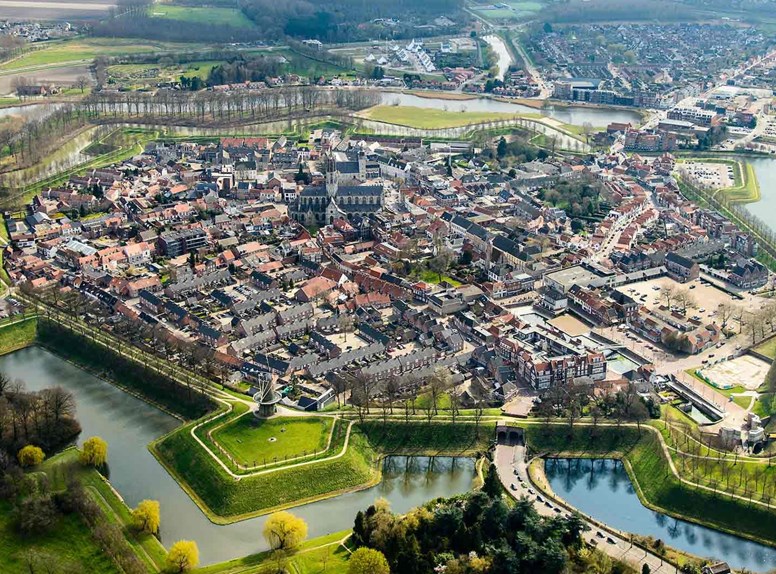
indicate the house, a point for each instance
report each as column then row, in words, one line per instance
column 749, row 274
column 681, row 268
column 716, row 568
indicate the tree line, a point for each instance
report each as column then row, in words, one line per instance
column 476, row 532
column 45, row 418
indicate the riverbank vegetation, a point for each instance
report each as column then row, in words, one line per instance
column 654, row 480
column 477, row 532
column 127, row 372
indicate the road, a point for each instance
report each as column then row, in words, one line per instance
column 510, row 462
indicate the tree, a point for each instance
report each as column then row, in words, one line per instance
column 368, row 561
column 284, row 531
column 645, row 569
column 81, row 82
column 30, row 455
column 94, row 452
column 145, row 516
column 183, row 556
column 491, row 486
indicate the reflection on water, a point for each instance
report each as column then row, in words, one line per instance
column 598, row 117
column 129, row 425
column 602, row 489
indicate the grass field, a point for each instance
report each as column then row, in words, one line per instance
column 250, row 440
column 199, row 15
column 17, row 336
column 657, row 486
column 433, row 277
column 80, row 49
column 69, row 544
column 517, row 10
column 323, row 554
column 428, row 118
column 768, row 348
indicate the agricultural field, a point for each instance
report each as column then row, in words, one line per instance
column 509, row 10
column 200, row 15
column 83, row 49
column 251, row 441
column 427, row 118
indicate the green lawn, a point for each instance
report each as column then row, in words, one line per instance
column 768, row 348
column 17, row 336
column 323, row 554
column 226, row 500
column 428, row 118
column 433, row 277
column 69, row 544
column 250, row 440
column 200, row 15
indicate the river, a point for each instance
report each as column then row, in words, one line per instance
column 129, row 425
column 603, row 490
column 500, row 49
column 577, row 115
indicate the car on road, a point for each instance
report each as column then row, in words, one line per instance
column 610, row 540
column 539, row 498
column 531, row 491
column 599, row 534
column 513, row 486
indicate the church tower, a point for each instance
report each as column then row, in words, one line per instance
column 332, row 177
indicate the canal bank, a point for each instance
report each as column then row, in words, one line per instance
column 658, row 487
column 602, row 488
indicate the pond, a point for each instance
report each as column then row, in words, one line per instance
column 603, row 490
column 577, row 115
column 129, row 425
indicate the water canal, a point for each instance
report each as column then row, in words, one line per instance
column 129, row 425
column 577, row 115
column 602, row 489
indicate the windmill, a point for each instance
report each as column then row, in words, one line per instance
column 266, row 397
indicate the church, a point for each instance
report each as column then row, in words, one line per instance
column 341, row 196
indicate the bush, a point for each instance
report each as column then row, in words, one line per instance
column 30, row 455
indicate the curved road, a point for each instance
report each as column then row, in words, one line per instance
column 511, row 465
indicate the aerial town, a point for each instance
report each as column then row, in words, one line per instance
column 455, row 287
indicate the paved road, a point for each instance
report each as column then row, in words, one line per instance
column 510, row 462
